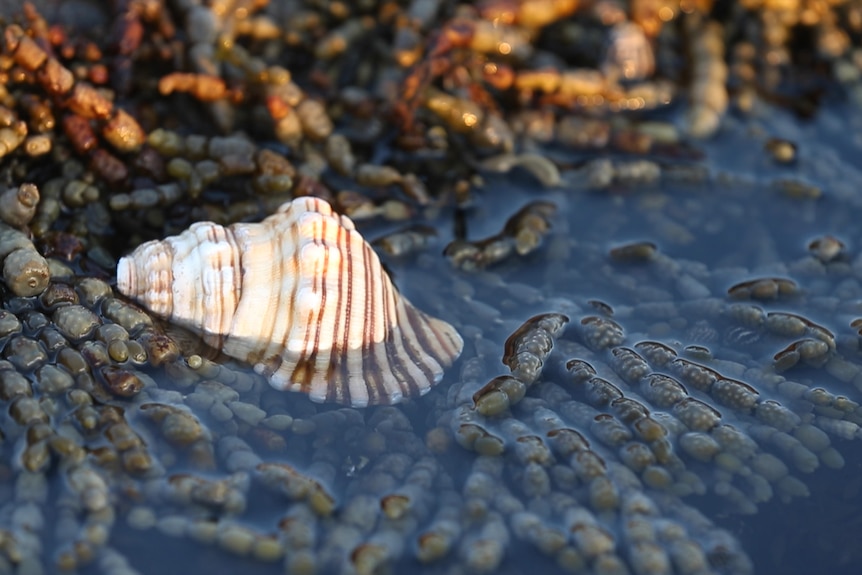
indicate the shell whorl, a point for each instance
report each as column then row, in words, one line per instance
column 301, row 296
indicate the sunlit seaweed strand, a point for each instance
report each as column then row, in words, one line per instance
column 570, row 498
column 525, row 352
column 733, row 437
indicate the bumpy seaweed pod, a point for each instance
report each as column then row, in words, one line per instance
column 301, row 296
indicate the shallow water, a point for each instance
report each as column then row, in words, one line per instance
column 733, row 226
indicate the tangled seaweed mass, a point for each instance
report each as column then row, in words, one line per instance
column 641, row 217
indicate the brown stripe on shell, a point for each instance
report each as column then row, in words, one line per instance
column 391, row 386
column 372, row 372
column 320, row 280
column 332, row 317
column 320, row 385
column 269, row 319
column 361, row 316
column 404, row 352
column 288, row 309
column 392, row 349
column 335, row 326
column 408, row 317
column 352, row 359
column 210, row 296
column 433, row 341
column 224, row 308
column 343, row 309
column 311, row 333
column 306, row 324
column 345, row 295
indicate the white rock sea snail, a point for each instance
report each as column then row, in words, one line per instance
column 302, row 297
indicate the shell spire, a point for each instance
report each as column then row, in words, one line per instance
column 302, row 297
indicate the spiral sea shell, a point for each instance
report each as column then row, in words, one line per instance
column 302, row 297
